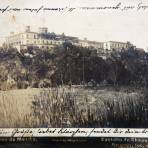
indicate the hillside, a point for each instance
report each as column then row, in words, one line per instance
column 71, row 65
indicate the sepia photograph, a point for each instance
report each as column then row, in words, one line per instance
column 73, row 64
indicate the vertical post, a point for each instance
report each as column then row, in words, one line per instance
column 83, row 71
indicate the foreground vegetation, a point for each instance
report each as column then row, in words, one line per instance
column 74, row 107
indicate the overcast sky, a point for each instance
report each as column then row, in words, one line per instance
column 98, row 25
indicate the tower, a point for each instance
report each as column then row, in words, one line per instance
column 27, row 29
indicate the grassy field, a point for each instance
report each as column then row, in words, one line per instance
column 73, row 107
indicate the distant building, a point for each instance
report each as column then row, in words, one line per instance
column 41, row 39
column 92, row 45
column 45, row 40
column 105, row 47
column 114, row 45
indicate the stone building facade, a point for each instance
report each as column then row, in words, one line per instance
column 114, row 45
column 45, row 40
column 28, row 38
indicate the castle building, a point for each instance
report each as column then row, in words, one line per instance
column 45, row 40
column 94, row 44
column 114, row 45
column 41, row 39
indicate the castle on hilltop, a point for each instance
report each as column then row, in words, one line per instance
column 46, row 40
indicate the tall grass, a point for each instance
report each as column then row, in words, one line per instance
column 65, row 107
column 72, row 107
column 12, row 111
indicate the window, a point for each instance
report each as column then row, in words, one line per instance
column 35, row 36
column 27, row 36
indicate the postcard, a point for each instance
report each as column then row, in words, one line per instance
column 74, row 73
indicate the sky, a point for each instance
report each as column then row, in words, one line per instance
column 98, row 25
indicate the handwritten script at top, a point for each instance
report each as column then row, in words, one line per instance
column 115, row 7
